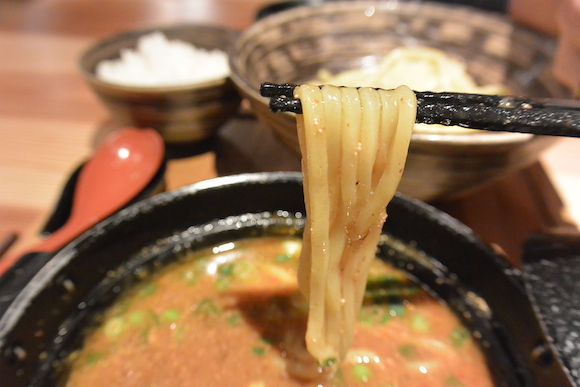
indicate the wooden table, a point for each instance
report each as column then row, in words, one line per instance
column 50, row 121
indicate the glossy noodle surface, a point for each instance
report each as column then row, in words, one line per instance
column 354, row 144
column 233, row 316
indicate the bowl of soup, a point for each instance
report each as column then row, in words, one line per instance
column 198, row 287
column 426, row 45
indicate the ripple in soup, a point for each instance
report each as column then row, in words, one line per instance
column 233, row 316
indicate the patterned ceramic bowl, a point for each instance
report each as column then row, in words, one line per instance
column 180, row 113
column 293, row 45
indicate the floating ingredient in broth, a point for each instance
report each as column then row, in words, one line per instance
column 420, row 68
column 354, row 144
column 157, row 61
column 185, row 326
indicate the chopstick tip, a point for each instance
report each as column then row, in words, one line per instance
column 269, row 89
column 285, row 104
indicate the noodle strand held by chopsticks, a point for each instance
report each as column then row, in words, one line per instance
column 354, row 145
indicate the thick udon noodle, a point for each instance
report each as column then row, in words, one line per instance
column 354, row 144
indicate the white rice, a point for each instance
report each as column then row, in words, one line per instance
column 157, row 61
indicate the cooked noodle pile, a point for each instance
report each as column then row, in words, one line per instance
column 420, row 68
column 354, row 145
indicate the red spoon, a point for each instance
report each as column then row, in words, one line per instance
column 118, row 171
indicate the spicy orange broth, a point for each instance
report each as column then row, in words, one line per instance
column 244, row 326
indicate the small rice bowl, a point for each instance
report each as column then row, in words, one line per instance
column 157, row 61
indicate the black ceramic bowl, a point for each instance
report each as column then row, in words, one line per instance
column 43, row 324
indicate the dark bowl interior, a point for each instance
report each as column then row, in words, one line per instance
column 45, row 322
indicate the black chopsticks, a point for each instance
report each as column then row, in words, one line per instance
column 488, row 112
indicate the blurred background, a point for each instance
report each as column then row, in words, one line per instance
column 51, row 121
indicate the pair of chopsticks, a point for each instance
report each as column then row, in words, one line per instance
column 488, row 112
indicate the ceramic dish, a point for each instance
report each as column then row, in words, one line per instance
column 291, row 46
column 181, row 114
column 48, row 317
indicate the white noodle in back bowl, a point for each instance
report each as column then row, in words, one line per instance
column 301, row 44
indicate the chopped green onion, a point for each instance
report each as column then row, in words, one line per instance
column 179, row 334
column 171, row 315
column 452, row 381
column 329, row 362
column 381, row 280
column 148, row 290
column 369, row 320
column 458, row 337
column 137, row 317
column 420, row 323
column 243, row 269
column 226, row 269
column 267, row 340
column 153, row 316
column 238, row 269
column 397, row 310
column 193, row 273
column 233, row 320
column 144, row 335
column 385, row 319
column 283, row 258
column 222, row 283
column 93, row 358
column 374, row 314
column 258, row 351
column 369, row 315
column 190, row 277
column 206, row 307
column 408, row 351
column 361, row 372
column 123, row 307
column 114, row 327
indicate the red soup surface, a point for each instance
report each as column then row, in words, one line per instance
column 233, row 316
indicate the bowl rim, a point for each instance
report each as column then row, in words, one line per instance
column 474, row 138
column 479, row 138
column 445, row 226
column 135, row 34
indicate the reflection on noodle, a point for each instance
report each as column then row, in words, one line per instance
column 354, row 145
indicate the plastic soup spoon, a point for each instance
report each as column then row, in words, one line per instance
column 118, row 171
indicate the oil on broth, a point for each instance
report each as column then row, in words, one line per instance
column 233, row 316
